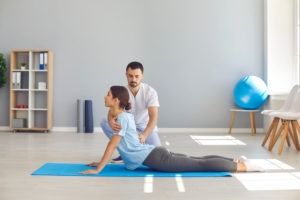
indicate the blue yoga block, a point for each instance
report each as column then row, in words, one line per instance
column 89, row 121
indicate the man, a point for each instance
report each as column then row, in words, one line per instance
column 144, row 102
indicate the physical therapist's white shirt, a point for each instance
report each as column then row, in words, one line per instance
column 145, row 98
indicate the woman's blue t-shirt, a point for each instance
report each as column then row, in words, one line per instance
column 131, row 150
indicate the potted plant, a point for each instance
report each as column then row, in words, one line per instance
column 23, row 66
column 3, row 69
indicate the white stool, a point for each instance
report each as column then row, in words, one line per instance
column 251, row 115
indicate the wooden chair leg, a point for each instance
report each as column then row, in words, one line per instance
column 288, row 139
column 274, row 140
column 270, row 130
column 232, row 121
column 297, row 126
column 290, row 134
column 295, row 134
column 274, row 129
column 285, row 132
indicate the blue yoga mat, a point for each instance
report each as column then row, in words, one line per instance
column 115, row 170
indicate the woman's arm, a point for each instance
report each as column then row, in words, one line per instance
column 110, row 148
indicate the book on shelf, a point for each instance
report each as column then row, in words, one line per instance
column 45, row 60
column 42, row 65
column 16, row 82
column 19, row 123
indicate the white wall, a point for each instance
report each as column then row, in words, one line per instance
column 193, row 51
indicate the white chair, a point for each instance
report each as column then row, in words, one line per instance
column 289, row 124
column 286, row 107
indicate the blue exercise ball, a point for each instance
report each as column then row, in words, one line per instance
column 250, row 92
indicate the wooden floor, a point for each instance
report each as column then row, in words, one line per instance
column 22, row 153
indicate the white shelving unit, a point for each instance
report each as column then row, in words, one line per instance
column 31, row 105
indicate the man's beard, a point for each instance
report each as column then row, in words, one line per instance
column 133, row 84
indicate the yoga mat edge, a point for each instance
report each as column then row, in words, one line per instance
column 115, row 170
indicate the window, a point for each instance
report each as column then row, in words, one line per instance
column 298, row 38
column 281, row 45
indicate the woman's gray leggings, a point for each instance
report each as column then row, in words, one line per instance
column 161, row 159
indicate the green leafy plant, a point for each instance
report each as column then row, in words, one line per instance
column 3, row 69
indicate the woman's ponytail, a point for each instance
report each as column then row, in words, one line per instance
column 128, row 106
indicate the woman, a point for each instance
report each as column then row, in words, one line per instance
column 135, row 154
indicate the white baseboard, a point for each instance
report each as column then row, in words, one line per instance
column 173, row 130
column 207, row 130
column 72, row 129
column 4, row 128
column 161, row 130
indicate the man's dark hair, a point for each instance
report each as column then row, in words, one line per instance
column 135, row 65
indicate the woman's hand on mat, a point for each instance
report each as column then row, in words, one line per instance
column 89, row 171
column 93, row 164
